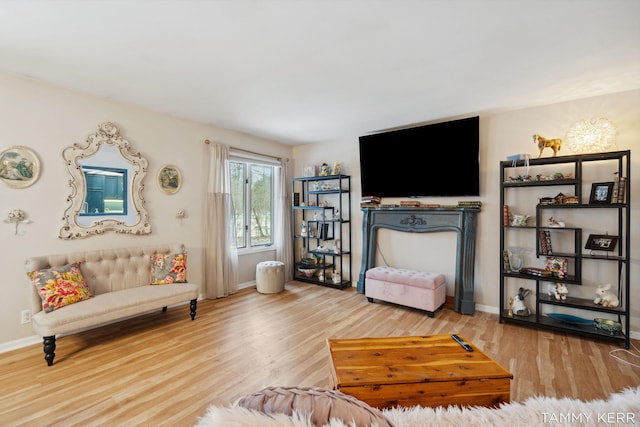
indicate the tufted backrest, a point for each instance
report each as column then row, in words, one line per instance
column 104, row 270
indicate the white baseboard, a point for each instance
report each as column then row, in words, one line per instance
column 25, row 342
column 20, row 343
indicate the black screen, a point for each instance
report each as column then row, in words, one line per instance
column 440, row 159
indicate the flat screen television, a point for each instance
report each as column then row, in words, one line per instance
column 435, row 160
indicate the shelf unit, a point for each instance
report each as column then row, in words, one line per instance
column 517, row 194
column 323, row 205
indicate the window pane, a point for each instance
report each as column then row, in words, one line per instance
column 238, row 189
column 261, row 204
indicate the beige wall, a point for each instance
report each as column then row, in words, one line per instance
column 501, row 134
column 47, row 119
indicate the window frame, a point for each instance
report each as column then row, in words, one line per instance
column 247, row 161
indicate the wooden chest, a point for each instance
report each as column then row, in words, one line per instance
column 417, row 370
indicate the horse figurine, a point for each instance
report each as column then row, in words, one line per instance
column 555, row 144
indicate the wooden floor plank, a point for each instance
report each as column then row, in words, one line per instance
column 164, row 369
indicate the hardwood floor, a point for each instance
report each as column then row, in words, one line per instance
column 163, row 369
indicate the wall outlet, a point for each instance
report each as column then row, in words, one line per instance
column 25, row 316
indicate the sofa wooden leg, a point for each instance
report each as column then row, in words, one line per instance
column 164, row 309
column 369, row 299
column 49, row 349
column 192, row 306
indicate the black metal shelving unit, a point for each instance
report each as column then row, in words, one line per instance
column 576, row 256
column 324, row 206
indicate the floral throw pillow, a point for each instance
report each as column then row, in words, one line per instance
column 168, row 269
column 59, row 287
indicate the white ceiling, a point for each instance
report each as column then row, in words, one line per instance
column 303, row 71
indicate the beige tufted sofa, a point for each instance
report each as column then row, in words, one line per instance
column 119, row 280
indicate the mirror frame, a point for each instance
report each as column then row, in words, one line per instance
column 108, row 134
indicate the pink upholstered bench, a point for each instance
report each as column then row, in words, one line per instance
column 416, row 289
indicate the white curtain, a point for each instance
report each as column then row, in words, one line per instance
column 220, row 253
column 282, row 222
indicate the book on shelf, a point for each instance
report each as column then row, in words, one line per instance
column 622, row 190
column 519, row 157
column 534, row 271
column 410, row 203
column 545, row 242
column 371, row 199
column 505, row 215
column 469, row 204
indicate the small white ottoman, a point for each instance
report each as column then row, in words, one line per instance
column 270, row 277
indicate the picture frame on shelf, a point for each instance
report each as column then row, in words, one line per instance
column 169, row 179
column 309, row 171
column 601, row 242
column 21, row 166
column 601, row 193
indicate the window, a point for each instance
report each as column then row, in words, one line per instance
column 252, row 192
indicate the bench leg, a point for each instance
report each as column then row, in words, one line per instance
column 192, row 307
column 431, row 313
column 49, row 349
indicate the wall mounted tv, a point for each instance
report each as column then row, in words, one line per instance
column 435, row 160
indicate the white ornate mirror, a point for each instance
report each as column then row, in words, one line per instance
column 106, row 186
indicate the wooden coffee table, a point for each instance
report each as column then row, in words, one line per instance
column 407, row 371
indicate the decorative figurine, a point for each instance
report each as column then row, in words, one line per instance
column 554, row 223
column 606, row 298
column 324, row 170
column 303, row 229
column 336, row 277
column 558, row 290
column 555, row 144
column 519, row 220
column 336, row 168
column 518, row 306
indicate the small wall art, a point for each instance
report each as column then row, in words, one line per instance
column 19, row 166
column 169, row 179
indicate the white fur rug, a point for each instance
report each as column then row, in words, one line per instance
column 621, row 409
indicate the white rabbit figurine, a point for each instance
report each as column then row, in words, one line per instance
column 517, row 303
column 606, row 298
column 558, row 290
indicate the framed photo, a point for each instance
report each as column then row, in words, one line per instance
column 169, row 179
column 309, row 170
column 601, row 193
column 601, row 242
column 19, row 166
